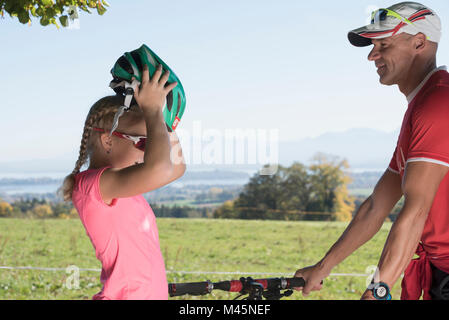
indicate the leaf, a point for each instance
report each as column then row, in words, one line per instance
column 85, row 9
column 92, row 4
column 9, row 7
column 101, row 10
column 33, row 11
column 52, row 20
column 64, row 21
column 23, row 16
column 39, row 12
column 50, row 12
column 47, row 3
column 44, row 21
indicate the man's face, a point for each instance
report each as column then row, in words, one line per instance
column 393, row 58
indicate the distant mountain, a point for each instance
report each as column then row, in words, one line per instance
column 365, row 149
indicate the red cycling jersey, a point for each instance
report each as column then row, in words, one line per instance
column 424, row 136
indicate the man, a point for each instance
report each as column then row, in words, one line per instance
column 405, row 41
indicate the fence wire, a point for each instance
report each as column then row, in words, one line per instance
column 284, row 274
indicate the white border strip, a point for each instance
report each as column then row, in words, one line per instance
column 428, row 160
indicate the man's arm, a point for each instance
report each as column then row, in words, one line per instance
column 365, row 224
column 420, row 185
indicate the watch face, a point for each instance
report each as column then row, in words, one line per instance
column 381, row 291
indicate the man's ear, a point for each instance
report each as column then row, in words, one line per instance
column 420, row 41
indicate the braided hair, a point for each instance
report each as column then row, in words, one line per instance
column 101, row 115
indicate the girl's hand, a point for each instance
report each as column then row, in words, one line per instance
column 152, row 92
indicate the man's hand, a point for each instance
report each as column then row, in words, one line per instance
column 313, row 277
column 368, row 295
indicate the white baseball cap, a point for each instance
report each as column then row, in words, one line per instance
column 404, row 17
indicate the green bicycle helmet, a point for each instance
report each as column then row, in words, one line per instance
column 131, row 65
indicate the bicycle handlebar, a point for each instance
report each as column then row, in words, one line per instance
column 192, row 288
column 202, row 288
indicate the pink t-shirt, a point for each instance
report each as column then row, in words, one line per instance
column 125, row 238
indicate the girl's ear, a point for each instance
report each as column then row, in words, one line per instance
column 106, row 141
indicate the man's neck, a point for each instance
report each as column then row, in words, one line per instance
column 416, row 75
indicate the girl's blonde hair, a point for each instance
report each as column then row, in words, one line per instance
column 101, row 115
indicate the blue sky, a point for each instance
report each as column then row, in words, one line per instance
column 283, row 65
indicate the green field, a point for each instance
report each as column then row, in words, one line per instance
column 187, row 245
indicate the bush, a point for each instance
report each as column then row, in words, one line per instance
column 6, row 209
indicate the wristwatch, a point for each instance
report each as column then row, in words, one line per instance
column 380, row 290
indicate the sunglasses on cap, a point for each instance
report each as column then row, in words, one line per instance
column 138, row 141
column 382, row 14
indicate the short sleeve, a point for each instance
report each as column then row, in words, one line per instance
column 393, row 167
column 429, row 139
column 89, row 184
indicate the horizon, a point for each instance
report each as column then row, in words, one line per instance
column 303, row 150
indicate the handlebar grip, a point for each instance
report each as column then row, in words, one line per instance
column 281, row 283
column 295, row 283
column 230, row 286
column 193, row 288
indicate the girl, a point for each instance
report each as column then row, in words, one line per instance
column 108, row 195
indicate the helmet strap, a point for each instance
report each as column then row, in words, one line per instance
column 129, row 91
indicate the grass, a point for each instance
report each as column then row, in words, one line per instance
column 187, row 245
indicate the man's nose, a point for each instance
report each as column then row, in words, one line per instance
column 374, row 54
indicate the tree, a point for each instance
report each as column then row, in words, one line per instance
column 62, row 208
column 262, row 191
column 5, row 209
column 325, row 177
column 329, row 184
column 43, row 211
column 295, row 188
column 72, row 214
column 49, row 11
column 292, row 192
column 260, row 194
column 226, row 211
column 344, row 204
